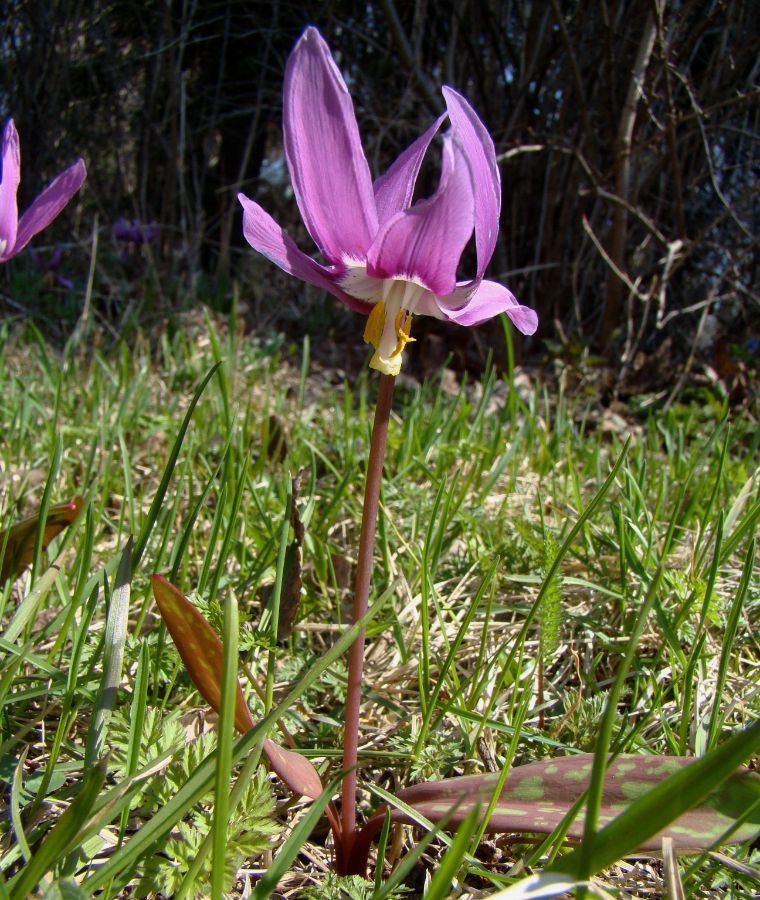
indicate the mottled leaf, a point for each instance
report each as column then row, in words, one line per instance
column 708, row 780
column 200, row 648
column 202, row 653
column 536, row 797
column 19, row 548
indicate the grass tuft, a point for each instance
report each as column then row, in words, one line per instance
column 519, row 526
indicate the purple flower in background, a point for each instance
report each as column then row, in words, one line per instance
column 134, row 232
column 386, row 257
column 50, row 267
column 16, row 233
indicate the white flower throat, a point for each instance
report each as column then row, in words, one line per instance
column 390, row 320
column 389, row 323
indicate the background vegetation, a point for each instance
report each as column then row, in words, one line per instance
column 627, row 134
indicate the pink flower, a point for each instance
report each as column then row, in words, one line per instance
column 386, row 257
column 16, row 233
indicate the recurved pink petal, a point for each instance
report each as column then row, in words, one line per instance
column 394, row 189
column 424, row 243
column 486, row 301
column 481, row 155
column 265, row 235
column 327, row 165
column 9, row 179
column 49, row 203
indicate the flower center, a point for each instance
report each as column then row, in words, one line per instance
column 389, row 324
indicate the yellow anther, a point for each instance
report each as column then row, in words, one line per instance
column 379, row 332
column 403, row 331
column 373, row 330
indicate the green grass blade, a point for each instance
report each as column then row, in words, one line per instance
column 113, row 655
column 136, row 722
column 448, row 867
column 241, row 784
column 181, row 546
column 412, row 858
column 63, row 835
column 85, row 558
column 55, row 465
column 519, row 642
column 150, row 520
column 596, row 786
column 292, row 846
column 16, row 823
column 729, row 635
column 382, row 845
column 451, row 656
column 29, row 606
column 224, row 748
column 232, row 526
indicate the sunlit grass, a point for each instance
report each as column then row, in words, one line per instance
column 483, row 488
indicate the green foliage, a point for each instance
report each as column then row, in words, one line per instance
column 251, row 829
column 579, row 725
column 550, row 610
column 64, row 890
column 159, row 734
column 250, row 636
column 348, row 887
column 474, row 482
column 163, row 656
column 436, row 758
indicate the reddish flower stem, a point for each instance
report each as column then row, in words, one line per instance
column 361, row 595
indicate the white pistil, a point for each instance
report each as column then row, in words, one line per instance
column 399, row 300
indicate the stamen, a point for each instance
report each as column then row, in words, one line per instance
column 389, row 325
column 403, row 331
column 373, row 330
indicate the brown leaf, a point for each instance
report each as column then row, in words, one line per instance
column 19, row 549
column 202, row 653
column 200, row 647
column 295, row 770
column 273, row 439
